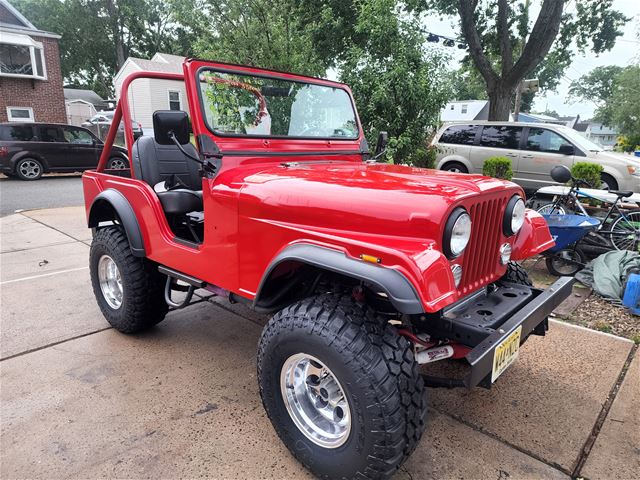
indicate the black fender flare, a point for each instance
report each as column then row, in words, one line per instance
column 126, row 216
column 398, row 288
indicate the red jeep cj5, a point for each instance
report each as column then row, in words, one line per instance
column 370, row 269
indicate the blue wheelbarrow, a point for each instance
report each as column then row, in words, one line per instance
column 566, row 258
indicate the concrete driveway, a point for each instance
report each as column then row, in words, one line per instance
column 80, row 400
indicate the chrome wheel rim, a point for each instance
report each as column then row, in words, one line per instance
column 315, row 400
column 30, row 169
column 454, row 170
column 110, row 281
column 117, row 164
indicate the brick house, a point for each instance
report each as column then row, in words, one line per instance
column 30, row 75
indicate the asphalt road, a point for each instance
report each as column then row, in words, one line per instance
column 48, row 192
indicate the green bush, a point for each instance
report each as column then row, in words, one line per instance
column 589, row 172
column 498, row 167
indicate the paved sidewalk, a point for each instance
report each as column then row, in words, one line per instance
column 81, row 400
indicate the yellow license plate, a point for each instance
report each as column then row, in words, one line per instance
column 505, row 353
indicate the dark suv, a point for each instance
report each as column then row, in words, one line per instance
column 27, row 150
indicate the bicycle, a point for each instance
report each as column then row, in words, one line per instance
column 624, row 231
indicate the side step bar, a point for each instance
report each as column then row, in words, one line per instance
column 193, row 281
column 172, row 277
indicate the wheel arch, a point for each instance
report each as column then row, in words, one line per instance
column 613, row 173
column 29, row 154
column 111, row 205
column 455, row 158
column 393, row 283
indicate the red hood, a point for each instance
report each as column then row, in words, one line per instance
column 355, row 197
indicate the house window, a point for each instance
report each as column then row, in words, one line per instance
column 20, row 56
column 464, row 108
column 174, row 100
column 20, row 114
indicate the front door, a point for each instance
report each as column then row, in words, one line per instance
column 540, row 154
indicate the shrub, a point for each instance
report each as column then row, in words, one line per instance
column 498, row 167
column 589, row 172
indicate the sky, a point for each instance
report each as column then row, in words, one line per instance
column 627, row 49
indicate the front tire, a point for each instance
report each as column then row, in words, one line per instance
column 607, row 182
column 117, row 163
column 371, row 384
column 129, row 289
column 517, row 274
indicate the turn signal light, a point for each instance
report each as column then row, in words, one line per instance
column 4, row 151
column 369, row 258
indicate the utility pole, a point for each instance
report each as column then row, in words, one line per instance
column 525, row 86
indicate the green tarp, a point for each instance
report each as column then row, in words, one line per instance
column 607, row 273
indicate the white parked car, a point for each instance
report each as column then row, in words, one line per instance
column 534, row 149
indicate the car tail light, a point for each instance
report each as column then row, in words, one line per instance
column 4, row 151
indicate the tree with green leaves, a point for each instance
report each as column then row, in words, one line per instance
column 598, row 86
column 625, row 105
column 265, row 33
column 98, row 35
column 505, row 47
column 615, row 90
column 399, row 84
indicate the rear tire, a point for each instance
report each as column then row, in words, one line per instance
column 455, row 167
column 380, row 390
column 517, row 274
column 129, row 289
column 29, row 169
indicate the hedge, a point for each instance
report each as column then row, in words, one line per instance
column 498, row 167
column 589, row 172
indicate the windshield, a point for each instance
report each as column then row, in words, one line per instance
column 238, row 104
column 579, row 140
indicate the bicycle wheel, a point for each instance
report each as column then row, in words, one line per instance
column 567, row 262
column 625, row 232
column 551, row 209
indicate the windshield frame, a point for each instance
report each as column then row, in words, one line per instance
column 275, row 76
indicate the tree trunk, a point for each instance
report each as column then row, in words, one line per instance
column 500, row 103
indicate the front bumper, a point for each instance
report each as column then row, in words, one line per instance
column 530, row 317
column 484, row 332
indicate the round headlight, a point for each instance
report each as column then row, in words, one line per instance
column 513, row 216
column 457, row 232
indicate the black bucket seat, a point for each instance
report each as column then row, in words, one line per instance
column 174, row 177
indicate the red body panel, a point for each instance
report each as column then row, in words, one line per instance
column 257, row 205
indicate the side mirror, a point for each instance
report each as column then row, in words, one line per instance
column 381, row 146
column 168, row 122
column 567, row 149
column 560, row 174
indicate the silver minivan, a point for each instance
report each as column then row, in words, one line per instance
column 534, row 149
